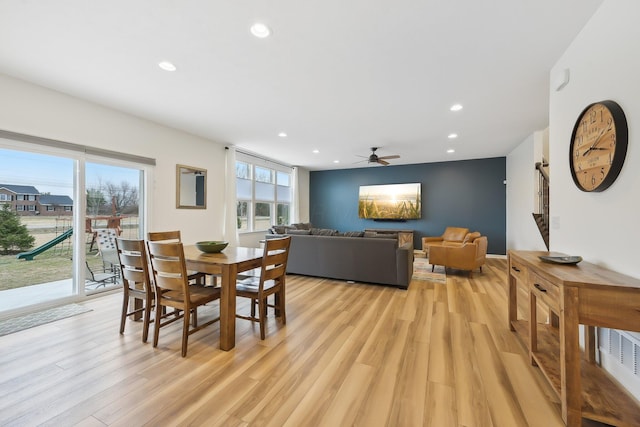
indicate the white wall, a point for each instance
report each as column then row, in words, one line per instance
column 604, row 64
column 522, row 231
column 33, row 110
column 601, row 227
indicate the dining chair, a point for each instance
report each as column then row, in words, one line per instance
column 136, row 282
column 271, row 281
column 172, row 289
column 174, row 236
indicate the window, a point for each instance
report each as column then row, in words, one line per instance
column 19, row 207
column 263, row 193
column 50, row 209
column 5, row 198
column 32, row 208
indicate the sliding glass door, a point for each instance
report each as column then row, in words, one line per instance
column 60, row 213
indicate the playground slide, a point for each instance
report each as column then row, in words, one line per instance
column 28, row 255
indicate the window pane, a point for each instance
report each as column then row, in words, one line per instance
column 262, row 218
column 243, row 189
column 37, row 187
column 243, row 170
column 284, row 194
column 113, row 206
column 265, row 191
column 283, row 214
column 264, row 175
column 283, row 178
column 243, row 215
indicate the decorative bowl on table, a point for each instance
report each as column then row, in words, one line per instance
column 211, row 246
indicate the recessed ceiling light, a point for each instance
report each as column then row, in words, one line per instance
column 260, row 30
column 456, row 107
column 451, row 151
column 336, row 161
column 452, row 136
column 315, row 151
column 282, row 134
column 167, row 66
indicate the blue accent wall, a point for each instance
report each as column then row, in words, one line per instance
column 467, row 193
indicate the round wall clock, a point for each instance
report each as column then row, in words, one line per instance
column 598, row 146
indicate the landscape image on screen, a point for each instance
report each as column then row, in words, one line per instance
column 390, row 201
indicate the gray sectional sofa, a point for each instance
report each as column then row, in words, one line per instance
column 360, row 259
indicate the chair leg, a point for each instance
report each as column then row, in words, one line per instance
column 185, row 332
column 156, row 323
column 253, row 307
column 146, row 319
column 281, row 305
column 262, row 313
column 125, row 309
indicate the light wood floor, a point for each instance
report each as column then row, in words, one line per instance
column 350, row 354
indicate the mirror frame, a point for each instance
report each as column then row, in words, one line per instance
column 180, row 204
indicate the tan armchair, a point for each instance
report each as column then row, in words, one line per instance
column 465, row 256
column 451, row 234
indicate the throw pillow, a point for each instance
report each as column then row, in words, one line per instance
column 298, row 232
column 470, row 237
column 354, row 233
column 323, row 232
column 302, row 226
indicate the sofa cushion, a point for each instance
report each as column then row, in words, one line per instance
column 353, row 234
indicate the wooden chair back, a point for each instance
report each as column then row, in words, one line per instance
column 134, row 264
column 136, row 282
column 164, row 236
column 168, row 267
column 174, row 236
column 274, row 260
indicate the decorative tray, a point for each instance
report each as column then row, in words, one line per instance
column 561, row 259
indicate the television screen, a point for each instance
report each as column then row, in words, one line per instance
column 390, row 201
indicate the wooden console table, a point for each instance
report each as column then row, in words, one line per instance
column 575, row 294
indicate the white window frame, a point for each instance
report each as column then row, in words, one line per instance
column 253, row 162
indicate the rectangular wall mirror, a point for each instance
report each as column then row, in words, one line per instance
column 191, row 187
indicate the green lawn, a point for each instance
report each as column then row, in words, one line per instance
column 49, row 266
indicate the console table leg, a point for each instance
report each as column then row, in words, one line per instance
column 571, row 387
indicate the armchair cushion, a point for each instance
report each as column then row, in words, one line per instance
column 451, row 234
column 467, row 256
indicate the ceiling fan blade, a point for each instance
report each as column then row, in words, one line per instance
column 393, row 156
column 382, row 162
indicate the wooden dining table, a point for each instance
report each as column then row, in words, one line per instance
column 228, row 263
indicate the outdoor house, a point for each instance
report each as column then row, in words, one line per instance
column 27, row 200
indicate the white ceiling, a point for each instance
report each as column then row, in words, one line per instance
column 339, row 76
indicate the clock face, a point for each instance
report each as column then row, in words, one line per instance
column 598, row 146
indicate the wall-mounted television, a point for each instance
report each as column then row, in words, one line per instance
column 390, row 201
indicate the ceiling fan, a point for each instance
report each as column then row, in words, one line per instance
column 374, row 158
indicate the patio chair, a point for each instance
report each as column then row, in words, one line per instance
column 99, row 278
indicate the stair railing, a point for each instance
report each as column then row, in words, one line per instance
column 543, row 199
